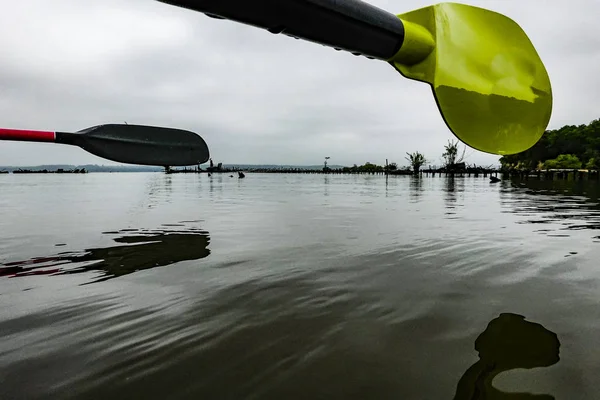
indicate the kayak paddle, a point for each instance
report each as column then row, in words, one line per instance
column 130, row 144
column 489, row 83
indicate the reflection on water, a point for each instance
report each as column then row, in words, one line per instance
column 215, row 183
column 415, row 187
column 141, row 249
column 509, row 342
column 368, row 293
column 450, row 190
column 453, row 187
column 292, row 338
column 160, row 190
column 556, row 206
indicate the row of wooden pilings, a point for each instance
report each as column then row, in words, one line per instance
column 563, row 174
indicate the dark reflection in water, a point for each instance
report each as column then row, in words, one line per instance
column 589, row 189
column 160, row 190
column 509, row 342
column 260, row 339
column 452, row 187
column 284, row 318
column 416, row 188
column 215, row 183
column 449, row 190
column 554, row 205
column 141, row 249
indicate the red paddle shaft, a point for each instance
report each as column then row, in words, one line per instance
column 25, row 135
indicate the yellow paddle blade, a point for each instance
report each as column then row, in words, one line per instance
column 488, row 80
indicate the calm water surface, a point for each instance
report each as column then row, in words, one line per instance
column 152, row 286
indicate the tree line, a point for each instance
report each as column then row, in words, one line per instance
column 569, row 147
column 451, row 156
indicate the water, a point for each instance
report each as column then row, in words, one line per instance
column 297, row 287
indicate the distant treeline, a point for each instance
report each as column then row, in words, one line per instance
column 45, row 171
column 143, row 168
column 272, row 167
column 373, row 168
column 570, row 147
column 87, row 168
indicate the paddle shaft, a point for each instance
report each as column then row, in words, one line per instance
column 27, row 135
column 350, row 25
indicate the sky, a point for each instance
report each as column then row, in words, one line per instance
column 255, row 97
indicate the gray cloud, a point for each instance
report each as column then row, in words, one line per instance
column 255, row 97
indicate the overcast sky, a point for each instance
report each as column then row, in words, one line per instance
column 255, row 97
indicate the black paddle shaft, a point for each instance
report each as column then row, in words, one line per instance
column 139, row 144
column 350, row 25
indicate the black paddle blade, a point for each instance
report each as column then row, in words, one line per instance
column 140, row 144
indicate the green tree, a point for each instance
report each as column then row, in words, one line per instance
column 416, row 160
column 563, row 161
column 593, row 163
column 367, row 167
column 391, row 167
column 581, row 141
column 450, row 154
